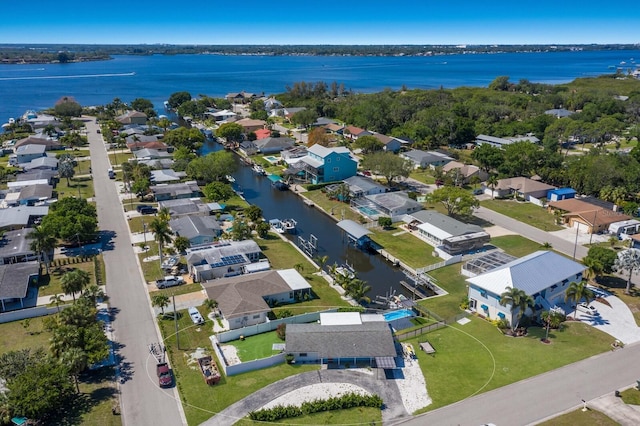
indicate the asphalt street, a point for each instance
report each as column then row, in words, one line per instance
column 143, row 402
column 538, row 398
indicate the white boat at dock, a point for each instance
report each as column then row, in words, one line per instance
column 283, row 226
column 230, row 178
column 258, row 169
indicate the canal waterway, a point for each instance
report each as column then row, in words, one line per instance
column 380, row 274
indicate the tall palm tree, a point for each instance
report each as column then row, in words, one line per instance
column 43, row 242
column 517, row 300
column 94, row 293
column 74, row 282
column 576, row 292
column 321, row 261
column 358, row 289
column 162, row 233
column 75, row 359
column 57, row 300
column 164, row 214
column 161, row 301
column 594, row 269
column 492, row 182
column 628, row 260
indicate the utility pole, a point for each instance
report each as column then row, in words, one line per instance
column 175, row 318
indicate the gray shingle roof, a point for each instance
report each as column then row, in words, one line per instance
column 14, row 279
column 369, row 339
column 194, row 226
column 446, row 223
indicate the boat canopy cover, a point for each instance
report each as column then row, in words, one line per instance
column 354, row 229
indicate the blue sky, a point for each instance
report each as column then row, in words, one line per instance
column 320, row 22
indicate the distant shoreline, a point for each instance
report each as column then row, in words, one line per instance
column 55, row 53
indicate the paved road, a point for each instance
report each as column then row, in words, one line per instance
column 532, row 233
column 533, row 400
column 142, row 401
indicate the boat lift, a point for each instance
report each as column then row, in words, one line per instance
column 310, row 247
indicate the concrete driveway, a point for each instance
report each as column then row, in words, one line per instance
column 615, row 320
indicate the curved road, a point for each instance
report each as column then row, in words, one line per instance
column 142, row 401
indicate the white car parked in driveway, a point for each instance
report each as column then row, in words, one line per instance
column 586, row 308
column 195, row 316
column 169, row 281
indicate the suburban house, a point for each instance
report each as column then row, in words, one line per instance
column 248, row 148
column 185, row 207
column 221, row 115
column 28, row 195
column 334, row 128
column 390, row 144
column 559, row 112
column 289, row 112
column 21, row 216
column 586, row 217
column 543, row 275
column 293, row 154
column 14, row 247
column 250, row 125
column 221, row 259
column 39, row 120
column 150, row 154
column 197, row 229
column 262, row 133
column 323, row 164
column 343, row 338
column 25, row 153
column 353, row 132
column 132, row 117
column 273, row 145
column 41, row 163
column 424, row 159
column 502, row 142
column 44, row 176
column 158, row 163
column 49, row 144
column 560, row 194
column 175, row 191
column 165, row 175
column 390, row 204
column 15, row 279
column 241, row 97
column 272, row 103
column 521, row 187
column 359, row 186
column 464, row 173
column 246, row 300
column 149, row 142
column 446, row 233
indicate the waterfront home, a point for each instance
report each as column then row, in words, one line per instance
column 343, row 338
column 585, row 217
column 241, row 97
column 273, row 145
column 250, row 125
column 390, row 204
column 221, row 259
column 222, row 115
column 16, row 248
column 15, row 280
column 158, row 163
column 166, row 175
column 197, row 229
column 446, row 233
column 323, row 164
column 293, row 154
column 185, row 207
column 246, row 300
column 49, row 144
column 175, row 191
column 21, row 216
column 39, row 120
column 25, row 153
column 543, row 275
column 248, row 148
column 359, row 186
column 464, row 173
column 150, row 154
column 424, row 159
column 522, row 187
column 132, row 117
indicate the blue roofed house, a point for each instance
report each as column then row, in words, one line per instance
column 560, row 194
column 543, row 275
column 323, row 164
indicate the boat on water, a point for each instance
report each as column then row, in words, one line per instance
column 346, row 271
column 258, row 170
column 283, row 226
column 230, row 178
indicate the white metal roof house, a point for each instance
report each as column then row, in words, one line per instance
column 544, row 275
column 221, row 259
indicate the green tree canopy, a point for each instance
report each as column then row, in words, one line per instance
column 67, row 107
column 191, row 139
column 388, row 165
column 218, row 191
column 212, row 167
column 369, row 144
column 304, row 118
column 603, row 256
column 72, row 219
column 178, row 98
column 457, row 201
column 232, row 132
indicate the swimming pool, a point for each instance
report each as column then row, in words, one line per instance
column 402, row 313
column 369, row 211
column 272, row 159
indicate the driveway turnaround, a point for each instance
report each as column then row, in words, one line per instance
column 134, row 328
column 387, row 389
column 616, row 319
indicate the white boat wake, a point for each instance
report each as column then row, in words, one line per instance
column 124, row 74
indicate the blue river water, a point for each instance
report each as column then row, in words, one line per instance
column 24, row 87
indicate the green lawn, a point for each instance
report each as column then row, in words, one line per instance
column 257, row 346
column 75, row 186
column 340, row 210
column 579, row 417
column 631, row 396
column 450, row 280
column 14, row 337
column 423, row 176
column 515, row 245
column 406, row 247
column 199, row 400
column 477, row 357
column 524, row 212
column 50, row 284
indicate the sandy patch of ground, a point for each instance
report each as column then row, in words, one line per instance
column 230, row 354
column 313, row 392
column 413, row 388
column 192, row 362
column 498, row 231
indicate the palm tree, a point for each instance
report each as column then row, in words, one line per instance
column 164, row 214
column 594, row 269
column 518, row 300
column 57, row 300
column 576, row 292
column 547, row 246
column 74, row 282
column 358, row 289
column 94, row 293
column 628, row 260
column 43, row 242
column 162, row 233
column 492, row 182
column 75, row 359
column 161, row 301
column 321, row 261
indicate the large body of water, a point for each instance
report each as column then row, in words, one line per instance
column 37, row 87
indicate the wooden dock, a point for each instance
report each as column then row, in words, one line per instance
column 416, row 291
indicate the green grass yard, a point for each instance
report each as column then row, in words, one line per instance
column 336, row 208
column 257, row 346
column 515, row 245
column 406, row 247
column 579, row 417
column 528, row 213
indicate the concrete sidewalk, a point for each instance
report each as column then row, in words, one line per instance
column 616, row 409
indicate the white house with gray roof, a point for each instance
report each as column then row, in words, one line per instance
column 359, row 186
column 185, row 207
column 543, row 275
column 197, row 229
column 424, row 159
column 391, row 204
column 341, row 338
column 221, row 259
